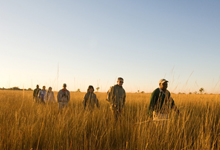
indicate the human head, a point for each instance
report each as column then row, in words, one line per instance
column 163, row 84
column 50, row 89
column 90, row 89
column 120, row 81
column 44, row 87
column 37, row 86
column 64, row 86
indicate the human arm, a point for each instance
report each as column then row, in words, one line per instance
column 153, row 99
column 45, row 97
column 97, row 103
column 110, row 94
column 85, row 100
column 58, row 96
column 34, row 93
column 39, row 94
column 173, row 106
column 124, row 99
column 68, row 98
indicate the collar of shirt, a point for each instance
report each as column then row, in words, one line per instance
column 162, row 91
column 64, row 90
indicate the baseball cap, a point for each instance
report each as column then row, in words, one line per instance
column 162, row 81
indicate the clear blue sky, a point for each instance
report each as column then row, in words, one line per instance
column 94, row 42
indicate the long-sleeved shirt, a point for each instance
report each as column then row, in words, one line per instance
column 90, row 100
column 41, row 94
column 63, row 96
column 158, row 99
column 36, row 92
column 116, row 97
column 49, row 97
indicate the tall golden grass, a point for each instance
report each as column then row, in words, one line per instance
column 27, row 125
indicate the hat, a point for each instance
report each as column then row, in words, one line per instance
column 162, row 81
column 64, row 84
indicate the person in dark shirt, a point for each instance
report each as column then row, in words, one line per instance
column 161, row 102
column 90, row 99
column 63, row 97
column 35, row 94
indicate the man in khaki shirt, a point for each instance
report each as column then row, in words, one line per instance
column 116, row 97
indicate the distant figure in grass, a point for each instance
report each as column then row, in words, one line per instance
column 161, row 102
column 63, row 97
column 49, row 97
column 35, row 94
column 42, row 93
column 116, row 97
column 90, row 99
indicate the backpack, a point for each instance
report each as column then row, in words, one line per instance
column 110, row 92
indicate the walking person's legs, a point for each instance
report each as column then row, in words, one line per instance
column 62, row 105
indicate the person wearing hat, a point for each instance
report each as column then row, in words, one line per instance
column 161, row 102
column 49, row 97
column 90, row 99
column 63, row 97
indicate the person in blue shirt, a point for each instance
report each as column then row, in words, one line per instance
column 42, row 93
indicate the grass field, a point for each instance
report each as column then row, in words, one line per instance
column 27, row 125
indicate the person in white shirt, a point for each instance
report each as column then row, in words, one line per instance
column 49, row 96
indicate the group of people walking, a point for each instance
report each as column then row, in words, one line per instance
column 160, row 105
column 43, row 96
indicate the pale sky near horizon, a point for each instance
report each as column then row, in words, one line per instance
column 94, row 42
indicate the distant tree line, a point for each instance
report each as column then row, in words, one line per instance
column 16, row 89
column 201, row 90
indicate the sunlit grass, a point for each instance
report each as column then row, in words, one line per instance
column 25, row 124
